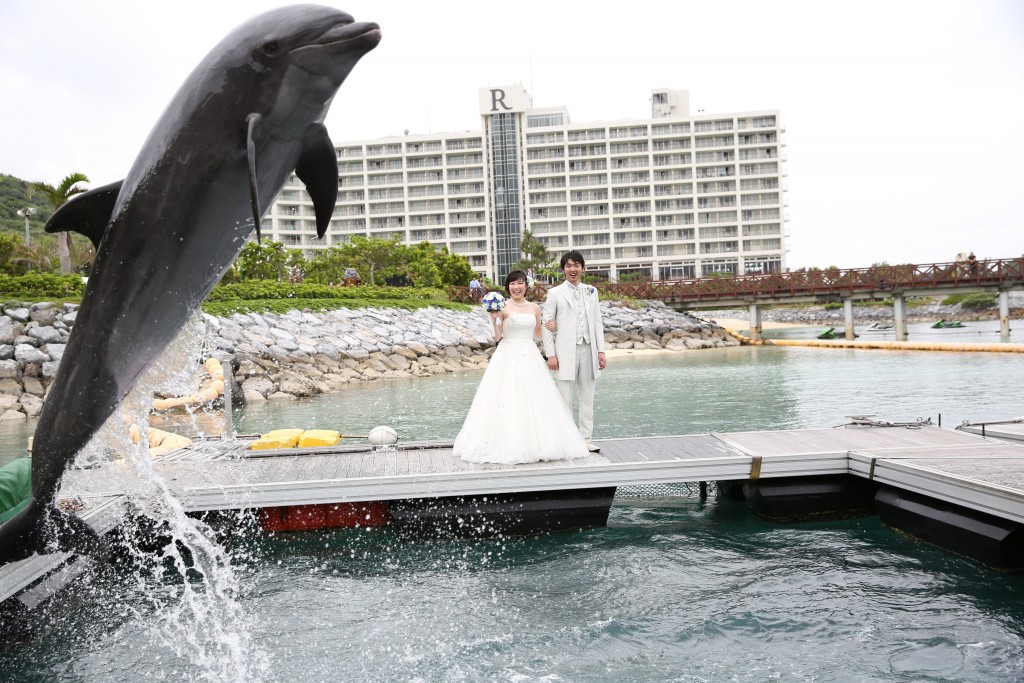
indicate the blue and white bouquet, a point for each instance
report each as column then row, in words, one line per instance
column 493, row 301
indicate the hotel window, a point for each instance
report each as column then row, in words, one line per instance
column 542, row 120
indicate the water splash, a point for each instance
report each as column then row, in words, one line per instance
column 186, row 589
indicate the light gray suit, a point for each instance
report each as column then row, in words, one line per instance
column 578, row 366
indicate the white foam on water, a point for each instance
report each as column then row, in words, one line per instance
column 187, row 581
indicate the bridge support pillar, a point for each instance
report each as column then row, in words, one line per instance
column 1004, row 315
column 755, row 322
column 848, row 319
column 899, row 311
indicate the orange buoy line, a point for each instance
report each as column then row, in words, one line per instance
column 886, row 345
column 159, row 441
column 211, row 390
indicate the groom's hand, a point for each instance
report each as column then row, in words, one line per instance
column 553, row 363
column 602, row 360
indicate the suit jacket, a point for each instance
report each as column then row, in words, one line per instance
column 560, row 306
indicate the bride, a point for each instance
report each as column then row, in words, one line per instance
column 517, row 415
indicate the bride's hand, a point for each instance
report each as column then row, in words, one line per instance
column 550, row 325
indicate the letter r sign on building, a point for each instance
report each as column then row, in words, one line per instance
column 498, row 100
column 503, row 100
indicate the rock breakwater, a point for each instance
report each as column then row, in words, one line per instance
column 302, row 353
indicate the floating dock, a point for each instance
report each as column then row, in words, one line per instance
column 1006, row 430
column 917, row 477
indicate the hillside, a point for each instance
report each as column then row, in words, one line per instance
column 13, row 196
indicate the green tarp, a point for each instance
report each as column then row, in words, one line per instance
column 15, row 487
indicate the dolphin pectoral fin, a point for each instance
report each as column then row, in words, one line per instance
column 31, row 530
column 318, row 169
column 88, row 213
column 254, row 187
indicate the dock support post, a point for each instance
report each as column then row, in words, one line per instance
column 229, row 426
column 899, row 310
column 848, row 319
column 1004, row 315
column 755, row 322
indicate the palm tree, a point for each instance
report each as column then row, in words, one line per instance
column 57, row 196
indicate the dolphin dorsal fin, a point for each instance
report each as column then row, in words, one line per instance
column 252, row 130
column 318, row 170
column 88, row 213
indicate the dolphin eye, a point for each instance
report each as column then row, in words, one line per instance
column 270, row 48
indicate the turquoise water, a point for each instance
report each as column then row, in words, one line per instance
column 672, row 590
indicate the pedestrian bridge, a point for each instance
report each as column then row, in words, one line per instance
column 997, row 276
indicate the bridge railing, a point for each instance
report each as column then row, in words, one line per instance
column 998, row 273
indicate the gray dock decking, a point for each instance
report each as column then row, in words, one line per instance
column 983, row 474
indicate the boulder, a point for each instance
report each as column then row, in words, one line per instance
column 32, row 386
column 45, row 335
column 31, row 405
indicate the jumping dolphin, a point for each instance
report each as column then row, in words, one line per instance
column 249, row 114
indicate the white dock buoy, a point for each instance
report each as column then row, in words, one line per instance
column 383, row 436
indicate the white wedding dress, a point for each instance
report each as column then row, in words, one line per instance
column 517, row 415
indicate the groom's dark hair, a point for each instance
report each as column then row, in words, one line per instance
column 575, row 256
column 512, row 277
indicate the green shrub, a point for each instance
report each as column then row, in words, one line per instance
column 34, row 287
column 833, row 305
column 978, row 301
column 250, row 290
column 953, row 299
column 226, row 308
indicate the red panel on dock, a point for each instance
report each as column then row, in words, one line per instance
column 323, row 516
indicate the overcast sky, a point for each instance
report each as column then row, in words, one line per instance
column 904, row 119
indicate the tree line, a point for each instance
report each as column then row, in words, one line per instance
column 373, row 261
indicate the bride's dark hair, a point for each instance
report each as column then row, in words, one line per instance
column 514, row 276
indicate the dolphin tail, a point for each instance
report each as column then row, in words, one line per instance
column 40, row 526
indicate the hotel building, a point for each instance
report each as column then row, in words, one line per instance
column 673, row 196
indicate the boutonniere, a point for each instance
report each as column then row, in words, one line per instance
column 591, row 289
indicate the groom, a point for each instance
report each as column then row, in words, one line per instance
column 576, row 351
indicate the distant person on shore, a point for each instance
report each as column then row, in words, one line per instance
column 476, row 290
